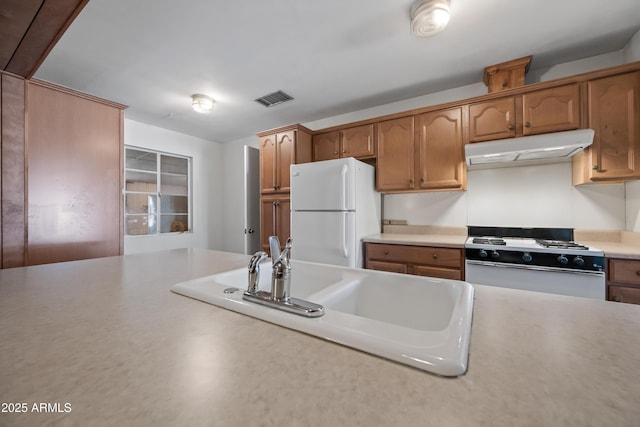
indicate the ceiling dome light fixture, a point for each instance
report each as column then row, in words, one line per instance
column 202, row 103
column 429, row 17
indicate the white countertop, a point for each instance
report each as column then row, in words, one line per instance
column 109, row 338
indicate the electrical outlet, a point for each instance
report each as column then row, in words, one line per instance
column 394, row 222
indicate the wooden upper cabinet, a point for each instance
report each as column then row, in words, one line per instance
column 278, row 151
column 440, row 150
column 551, row 110
column 493, row 119
column 286, row 156
column 614, row 115
column 395, row 170
column 326, row 146
column 268, row 164
column 358, row 142
column 543, row 111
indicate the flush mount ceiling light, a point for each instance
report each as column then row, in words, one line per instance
column 202, row 103
column 429, row 17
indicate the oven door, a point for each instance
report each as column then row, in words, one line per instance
column 585, row 284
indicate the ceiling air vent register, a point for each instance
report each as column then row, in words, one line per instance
column 274, row 98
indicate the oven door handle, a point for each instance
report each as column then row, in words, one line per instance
column 534, row 267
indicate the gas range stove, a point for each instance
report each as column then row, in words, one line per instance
column 535, row 247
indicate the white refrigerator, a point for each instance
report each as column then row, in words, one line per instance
column 333, row 206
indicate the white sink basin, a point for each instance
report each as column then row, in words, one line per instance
column 418, row 321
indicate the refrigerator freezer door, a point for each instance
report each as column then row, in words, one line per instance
column 325, row 237
column 324, row 186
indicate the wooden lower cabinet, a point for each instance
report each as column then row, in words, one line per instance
column 623, row 280
column 275, row 220
column 444, row 263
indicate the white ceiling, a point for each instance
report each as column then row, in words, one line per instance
column 332, row 56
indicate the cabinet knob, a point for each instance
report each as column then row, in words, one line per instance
column 410, row 180
column 510, row 127
column 435, row 256
column 386, row 252
column 638, row 273
column 617, row 298
column 344, row 151
column 527, row 124
column 422, row 179
column 335, row 152
column 595, row 167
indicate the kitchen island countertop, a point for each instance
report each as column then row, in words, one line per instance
column 104, row 342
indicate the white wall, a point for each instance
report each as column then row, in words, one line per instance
column 233, row 193
column 206, row 186
column 631, row 51
column 632, row 194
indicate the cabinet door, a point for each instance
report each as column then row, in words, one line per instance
column 326, row 146
column 392, row 267
column 285, row 157
column 268, row 217
column 358, row 142
column 623, row 294
column 494, row 119
column 275, row 220
column 440, row 150
column 441, row 273
column 551, row 110
column 268, row 164
column 395, row 155
column 283, row 220
column 614, row 115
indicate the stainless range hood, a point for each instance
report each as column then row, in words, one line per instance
column 527, row 150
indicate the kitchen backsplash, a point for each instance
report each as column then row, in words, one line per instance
column 529, row 196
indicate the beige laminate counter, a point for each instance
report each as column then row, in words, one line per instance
column 107, row 337
column 439, row 240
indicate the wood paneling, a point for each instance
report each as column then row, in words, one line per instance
column 74, row 178
column 13, row 185
column 15, row 18
column 47, row 21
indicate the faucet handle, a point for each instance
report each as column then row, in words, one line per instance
column 274, row 247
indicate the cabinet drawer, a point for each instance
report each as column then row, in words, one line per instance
column 624, row 271
column 440, row 257
column 393, row 267
column 624, row 294
column 441, row 273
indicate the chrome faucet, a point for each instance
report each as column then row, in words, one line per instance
column 281, row 274
column 280, row 282
column 254, row 270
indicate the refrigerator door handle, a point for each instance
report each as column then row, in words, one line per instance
column 344, row 186
column 345, row 250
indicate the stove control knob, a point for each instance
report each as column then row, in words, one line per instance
column 495, row 254
column 578, row 261
column 526, row 257
column 483, row 253
column 563, row 260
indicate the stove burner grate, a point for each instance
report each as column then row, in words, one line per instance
column 560, row 244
